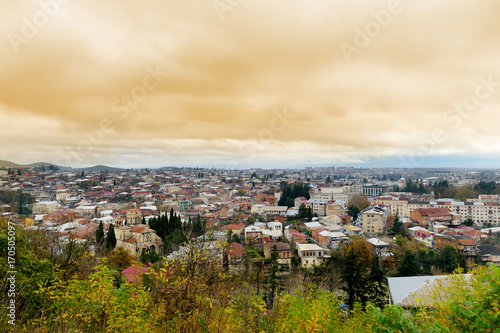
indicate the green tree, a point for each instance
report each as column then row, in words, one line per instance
column 355, row 263
column 99, row 235
column 275, row 278
column 377, row 290
column 409, row 265
column 469, row 222
column 111, row 238
column 354, row 211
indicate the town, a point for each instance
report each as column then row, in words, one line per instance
column 312, row 211
column 274, row 230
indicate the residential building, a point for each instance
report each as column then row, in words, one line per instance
column 429, row 216
column 379, row 247
column 312, row 254
column 397, row 206
column 375, row 219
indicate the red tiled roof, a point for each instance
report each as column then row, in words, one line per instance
column 235, row 250
column 131, row 240
column 434, row 212
column 138, row 229
column 466, row 242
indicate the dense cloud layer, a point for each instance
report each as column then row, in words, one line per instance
column 247, row 83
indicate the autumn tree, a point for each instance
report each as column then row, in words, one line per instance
column 355, row 263
column 120, row 259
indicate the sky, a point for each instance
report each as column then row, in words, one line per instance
column 242, row 84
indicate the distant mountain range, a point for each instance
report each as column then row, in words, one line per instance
column 12, row 165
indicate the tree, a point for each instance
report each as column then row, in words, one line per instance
column 354, row 211
column 305, row 213
column 377, row 283
column 359, row 201
column 408, row 266
column 99, row 235
column 355, row 263
column 399, row 228
column 469, row 222
column 275, row 279
column 111, row 238
column 120, row 259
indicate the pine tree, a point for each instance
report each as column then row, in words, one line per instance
column 377, row 282
column 99, row 235
column 409, row 265
column 111, row 238
column 275, row 279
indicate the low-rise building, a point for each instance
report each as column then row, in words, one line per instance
column 312, row 254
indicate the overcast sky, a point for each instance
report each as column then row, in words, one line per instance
column 240, row 83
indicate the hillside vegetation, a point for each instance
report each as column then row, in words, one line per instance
column 79, row 293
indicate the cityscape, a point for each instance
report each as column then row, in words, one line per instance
column 249, row 166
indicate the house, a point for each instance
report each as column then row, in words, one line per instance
column 330, row 238
column 477, row 235
column 490, row 254
column 334, row 207
column 429, row 216
column 312, row 254
column 294, row 236
column 299, row 201
column 45, row 207
column 313, row 225
column 422, row 235
column 285, row 253
column 467, row 246
column 237, row 229
column 235, row 252
column 253, row 234
column 318, row 206
column 353, row 230
column 275, row 210
column 379, row 247
column 86, row 211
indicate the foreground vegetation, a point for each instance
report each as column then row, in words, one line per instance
column 58, row 293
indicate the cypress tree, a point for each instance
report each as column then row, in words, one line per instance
column 111, row 238
column 99, row 235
